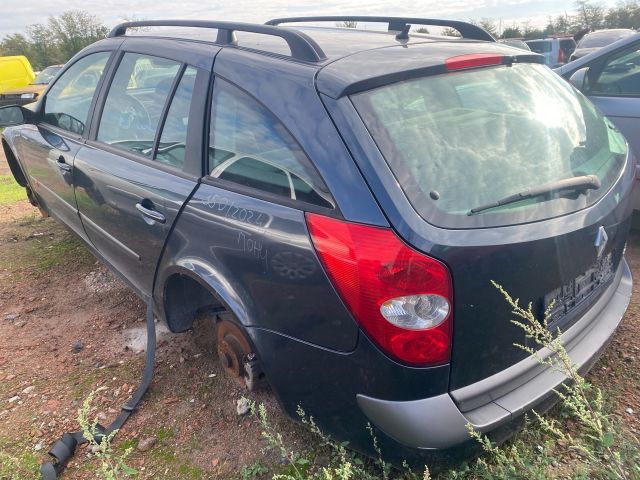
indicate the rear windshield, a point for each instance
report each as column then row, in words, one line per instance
column 462, row 140
column 540, row 46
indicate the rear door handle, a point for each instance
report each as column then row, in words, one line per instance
column 151, row 213
column 62, row 164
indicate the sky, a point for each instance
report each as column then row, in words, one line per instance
column 17, row 15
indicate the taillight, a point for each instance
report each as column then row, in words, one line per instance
column 401, row 298
column 472, row 60
column 560, row 56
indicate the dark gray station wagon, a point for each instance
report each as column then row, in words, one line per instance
column 346, row 196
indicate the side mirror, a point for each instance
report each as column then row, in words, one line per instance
column 13, row 115
column 580, row 79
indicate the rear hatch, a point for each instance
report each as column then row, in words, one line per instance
column 503, row 172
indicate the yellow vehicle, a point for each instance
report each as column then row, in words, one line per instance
column 30, row 93
column 15, row 71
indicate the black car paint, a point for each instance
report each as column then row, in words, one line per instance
column 254, row 253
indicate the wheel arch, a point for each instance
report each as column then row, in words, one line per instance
column 185, row 289
column 14, row 165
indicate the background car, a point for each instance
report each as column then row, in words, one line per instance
column 600, row 38
column 515, row 42
column 556, row 51
column 29, row 93
column 610, row 77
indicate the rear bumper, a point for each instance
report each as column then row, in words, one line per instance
column 441, row 422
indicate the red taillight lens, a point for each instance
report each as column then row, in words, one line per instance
column 369, row 266
column 560, row 56
column 473, row 60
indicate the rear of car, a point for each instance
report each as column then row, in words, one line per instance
column 556, row 51
column 467, row 151
column 15, row 71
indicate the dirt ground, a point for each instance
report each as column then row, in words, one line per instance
column 68, row 327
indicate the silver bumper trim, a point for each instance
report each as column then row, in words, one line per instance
column 441, row 421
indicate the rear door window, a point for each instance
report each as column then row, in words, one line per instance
column 135, row 102
column 250, row 147
column 173, row 140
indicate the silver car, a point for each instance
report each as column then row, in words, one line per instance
column 610, row 77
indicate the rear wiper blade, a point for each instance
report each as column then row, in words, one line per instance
column 583, row 182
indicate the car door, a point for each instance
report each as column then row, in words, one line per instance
column 143, row 159
column 614, row 86
column 48, row 149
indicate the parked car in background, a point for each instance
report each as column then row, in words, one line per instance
column 15, row 71
column 346, row 203
column 610, row 77
column 29, row 93
column 556, row 51
column 598, row 39
column 515, row 42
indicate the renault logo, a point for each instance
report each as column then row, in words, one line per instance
column 601, row 241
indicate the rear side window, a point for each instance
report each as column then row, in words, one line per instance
column 68, row 102
column 464, row 140
column 250, row 147
column 134, row 104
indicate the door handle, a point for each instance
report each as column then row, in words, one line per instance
column 151, row 213
column 62, row 164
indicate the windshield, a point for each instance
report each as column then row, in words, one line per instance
column 602, row 39
column 46, row 75
column 460, row 140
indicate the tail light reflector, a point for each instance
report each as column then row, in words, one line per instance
column 401, row 298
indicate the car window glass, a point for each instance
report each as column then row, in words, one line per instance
column 620, row 75
column 540, row 46
column 249, row 146
column 68, row 102
column 173, row 140
column 135, row 102
column 462, row 140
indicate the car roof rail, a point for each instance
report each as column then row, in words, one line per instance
column 302, row 46
column 396, row 24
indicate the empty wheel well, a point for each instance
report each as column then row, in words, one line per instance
column 184, row 299
column 13, row 164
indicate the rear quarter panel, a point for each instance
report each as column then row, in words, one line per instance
column 258, row 258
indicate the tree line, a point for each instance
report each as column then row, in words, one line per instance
column 585, row 17
column 55, row 41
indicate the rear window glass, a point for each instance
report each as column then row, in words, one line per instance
column 540, row 46
column 463, row 140
column 602, row 39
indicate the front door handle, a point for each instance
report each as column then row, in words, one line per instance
column 151, row 213
column 62, row 164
